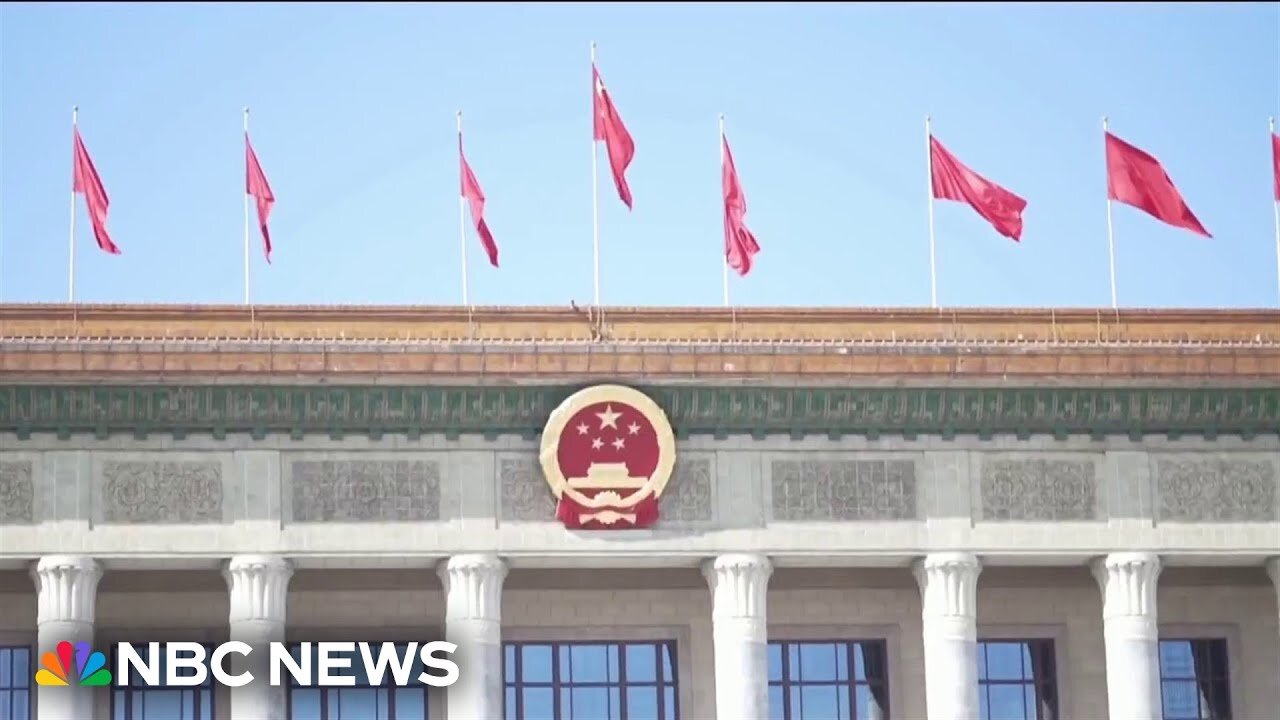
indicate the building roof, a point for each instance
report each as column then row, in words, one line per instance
column 289, row 344
column 421, row 370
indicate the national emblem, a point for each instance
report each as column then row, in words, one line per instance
column 607, row 453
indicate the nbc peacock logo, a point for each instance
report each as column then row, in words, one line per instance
column 91, row 666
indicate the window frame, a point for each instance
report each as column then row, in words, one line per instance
column 1068, row 703
column 891, row 634
column 1053, row 682
column 29, row 688
column 388, row 683
column 850, row 685
column 128, row 690
column 557, row 685
column 681, row 634
column 1228, row 676
column 1213, row 631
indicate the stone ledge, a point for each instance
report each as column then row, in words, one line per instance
column 268, row 322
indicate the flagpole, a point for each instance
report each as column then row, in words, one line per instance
column 71, row 250
column 462, row 221
column 1111, row 236
column 933, row 260
column 246, row 214
column 724, row 268
column 1275, row 208
column 595, row 190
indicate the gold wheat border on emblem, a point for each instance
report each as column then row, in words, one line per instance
column 622, row 395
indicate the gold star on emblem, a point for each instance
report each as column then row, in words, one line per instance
column 597, row 443
column 582, row 429
column 633, row 428
column 619, row 444
column 608, row 418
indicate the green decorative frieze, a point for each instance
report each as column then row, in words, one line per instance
column 372, row 410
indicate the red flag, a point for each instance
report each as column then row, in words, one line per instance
column 609, row 128
column 85, row 180
column 475, row 198
column 1275, row 162
column 740, row 245
column 953, row 181
column 255, row 184
column 1136, row 178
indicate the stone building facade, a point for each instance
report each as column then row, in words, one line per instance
column 873, row 515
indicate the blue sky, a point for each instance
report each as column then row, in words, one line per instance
column 353, row 120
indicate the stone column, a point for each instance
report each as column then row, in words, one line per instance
column 948, row 597
column 1128, row 583
column 66, row 587
column 473, row 622
column 739, row 585
column 259, row 587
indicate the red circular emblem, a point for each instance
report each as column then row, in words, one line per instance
column 607, row 453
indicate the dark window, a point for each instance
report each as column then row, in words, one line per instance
column 590, row 681
column 1194, row 682
column 828, row 680
column 133, row 699
column 15, row 682
column 1017, row 680
column 363, row 701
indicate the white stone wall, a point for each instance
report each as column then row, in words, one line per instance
column 1059, row 603
column 840, row 519
column 777, row 495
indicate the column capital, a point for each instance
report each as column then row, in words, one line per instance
column 473, row 586
column 473, row 622
column 259, row 587
column 948, row 583
column 739, row 584
column 1128, row 582
column 66, row 587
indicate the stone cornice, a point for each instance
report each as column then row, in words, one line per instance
column 631, row 324
column 693, row 409
column 419, row 346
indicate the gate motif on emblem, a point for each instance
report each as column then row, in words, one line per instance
column 607, row 453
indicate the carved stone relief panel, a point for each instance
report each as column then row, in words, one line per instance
column 1039, row 489
column 17, row 493
column 523, row 493
column 173, row 492
column 1215, row 489
column 826, row 490
column 354, row 491
column 688, row 497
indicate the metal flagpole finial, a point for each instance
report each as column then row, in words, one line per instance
column 459, row 122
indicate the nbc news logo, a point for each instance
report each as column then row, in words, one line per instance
column 317, row 664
